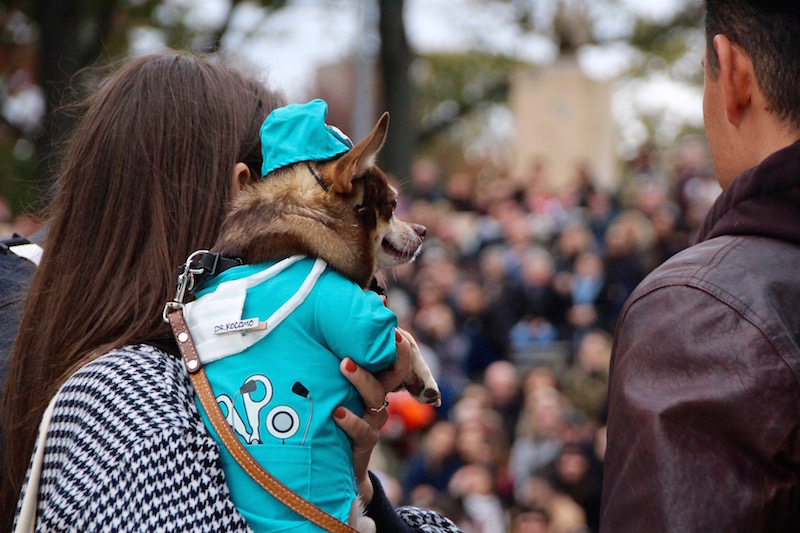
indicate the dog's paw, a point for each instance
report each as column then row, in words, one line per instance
column 433, row 395
column 420, row 383
column 357, row 520
column 423, row 392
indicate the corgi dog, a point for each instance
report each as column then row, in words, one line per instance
column 341, row 211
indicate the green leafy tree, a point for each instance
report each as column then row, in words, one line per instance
column 47, row 47
column 45, row 44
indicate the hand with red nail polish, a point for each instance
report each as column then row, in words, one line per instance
column 365, row 430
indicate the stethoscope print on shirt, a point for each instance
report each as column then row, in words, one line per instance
column 282, row 422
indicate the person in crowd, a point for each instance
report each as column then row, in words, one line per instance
column 503, row 384
column 586, row 381
column 564, row 515
column 577, row 473
column 671, row 238
column 540, row 440
column 538, row 303
column 529, row 519
column 426, row 180
column 624, row 269
column 585, row 282
column 574, row 240
column 473, row 485
column 601, row 209
column 494, row 277
column 705, row 373
column 485, row 335
column 161, row 149
column 436, row 461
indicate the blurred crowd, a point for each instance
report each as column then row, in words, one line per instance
column 513, row 301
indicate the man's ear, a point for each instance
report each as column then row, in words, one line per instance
column 240, row 177
column 736, row 78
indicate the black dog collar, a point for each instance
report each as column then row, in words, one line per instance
column 325, row 188
column 316, row 177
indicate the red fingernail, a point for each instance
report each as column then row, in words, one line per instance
column 350, row 365
column 339, row 412
column 397, row 336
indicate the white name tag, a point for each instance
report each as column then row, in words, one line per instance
column 244, row 325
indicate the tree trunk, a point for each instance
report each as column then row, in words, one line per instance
column 71, row 39
column 396, row 57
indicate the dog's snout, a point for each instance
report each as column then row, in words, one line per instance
column 420, row 230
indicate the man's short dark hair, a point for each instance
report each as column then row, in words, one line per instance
column 769, row 33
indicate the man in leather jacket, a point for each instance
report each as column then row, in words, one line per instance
column 704, row 394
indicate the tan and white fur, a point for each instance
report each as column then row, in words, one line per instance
column 344, row 215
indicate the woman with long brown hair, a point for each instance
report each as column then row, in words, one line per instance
column 161, row 149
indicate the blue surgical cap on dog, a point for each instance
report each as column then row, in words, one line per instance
column 297, row 132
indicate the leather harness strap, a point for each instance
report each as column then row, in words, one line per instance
column 202, row 388
column 208, row 266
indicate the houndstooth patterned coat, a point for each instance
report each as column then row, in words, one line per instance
column 127, row 451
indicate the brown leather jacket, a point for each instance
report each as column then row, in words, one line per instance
column 704, row 395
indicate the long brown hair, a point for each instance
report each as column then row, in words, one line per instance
column 145, row 180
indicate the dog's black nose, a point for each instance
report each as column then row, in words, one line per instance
column 420, row 230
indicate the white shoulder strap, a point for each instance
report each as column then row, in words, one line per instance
column 294, row 302
column 26, row 522
column 271, row 272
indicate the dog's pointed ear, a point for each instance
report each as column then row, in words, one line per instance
column 354, row 163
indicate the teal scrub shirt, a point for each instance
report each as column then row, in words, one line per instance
column 284, row 388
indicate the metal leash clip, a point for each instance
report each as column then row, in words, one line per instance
column 185, row 281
